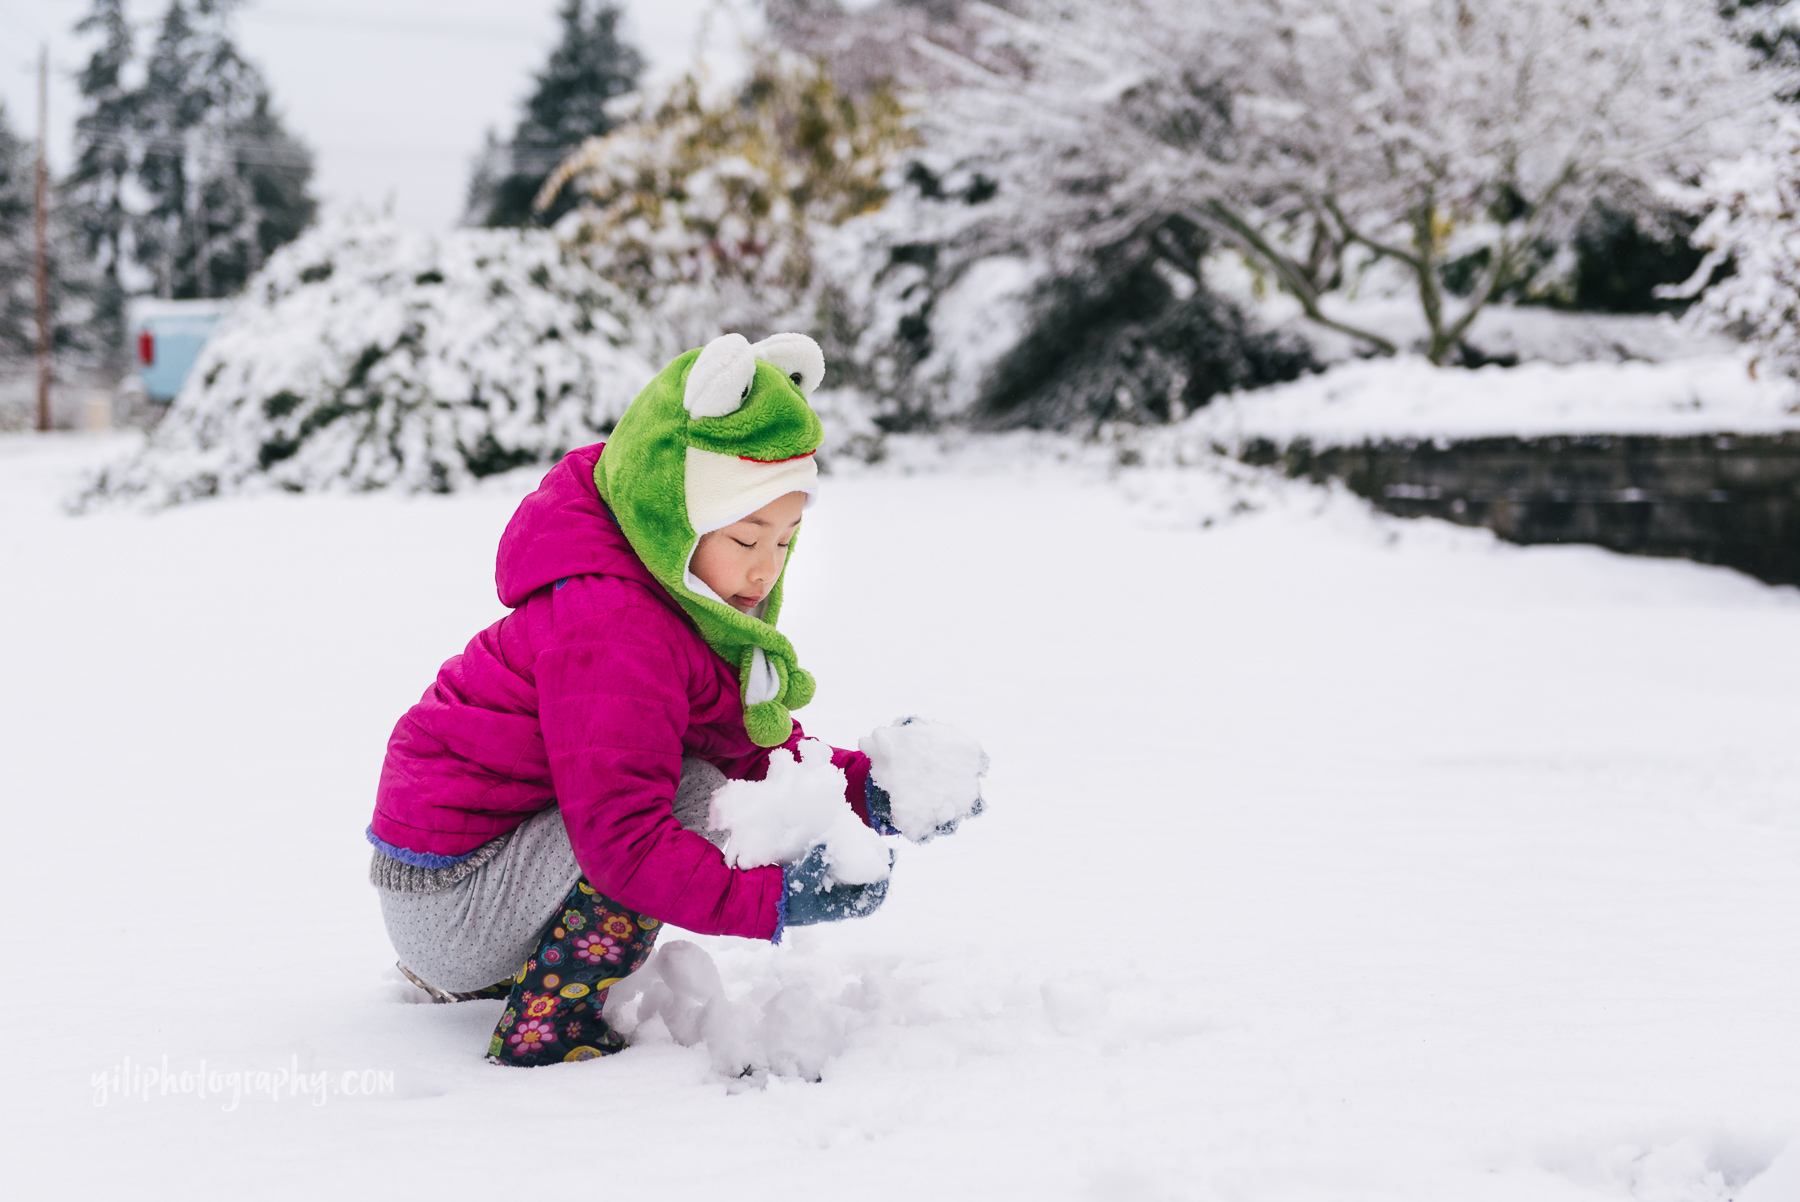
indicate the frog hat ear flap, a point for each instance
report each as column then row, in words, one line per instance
column 796, row 355
column 719, row 381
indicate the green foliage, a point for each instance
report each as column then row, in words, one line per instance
column 732, row 191
column 1120, row 342
column 93, row 194
column 18, row 328
column 589, row 67
column 1623, row 257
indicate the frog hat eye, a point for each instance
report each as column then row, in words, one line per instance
column 796, row 355
column 719, row 381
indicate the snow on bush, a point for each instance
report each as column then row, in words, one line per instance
column 368, row 356
column 930, row 770
column 1754, row 220
column 797, row 806
column 706, row 209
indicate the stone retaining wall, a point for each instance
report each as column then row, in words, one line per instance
column 1724, row 499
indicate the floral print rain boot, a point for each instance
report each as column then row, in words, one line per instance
column 553, row 1011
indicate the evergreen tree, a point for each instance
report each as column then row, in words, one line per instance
column 18, row 319
column 93, row 196
column 225, row 184
column 589, row 67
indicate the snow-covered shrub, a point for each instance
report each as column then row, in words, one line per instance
column 1753, row 220
column 706, row 209
column 367, row 356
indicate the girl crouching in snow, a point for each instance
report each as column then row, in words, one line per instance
column 544, row 803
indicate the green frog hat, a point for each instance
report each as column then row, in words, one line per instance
column 718, row 434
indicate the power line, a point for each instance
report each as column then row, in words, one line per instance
column 267, row 151
column 258, row 152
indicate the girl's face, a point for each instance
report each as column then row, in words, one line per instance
column 741, row 562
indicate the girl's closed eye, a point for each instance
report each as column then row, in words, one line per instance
column 740, row 542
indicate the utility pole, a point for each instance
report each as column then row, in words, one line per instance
column 43, row 239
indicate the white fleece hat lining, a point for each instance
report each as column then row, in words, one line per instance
column 722, row 489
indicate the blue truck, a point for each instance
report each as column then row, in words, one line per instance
column 167, row 337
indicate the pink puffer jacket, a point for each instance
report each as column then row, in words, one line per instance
column 587, row 694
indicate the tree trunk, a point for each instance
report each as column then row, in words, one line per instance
column 1295, row 279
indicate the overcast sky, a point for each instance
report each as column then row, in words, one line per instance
column 393, row 96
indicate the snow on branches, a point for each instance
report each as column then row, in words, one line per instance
column 366, row 356
column 1753, row 221
column 1323, row 136
column 1427, row 131
column 707, row 210
column 1036, row 267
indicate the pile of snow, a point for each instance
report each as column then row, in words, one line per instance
column 366, row 356
column 799, row 805
column 930, row 770
column 1408, row 398
column 773, row 1028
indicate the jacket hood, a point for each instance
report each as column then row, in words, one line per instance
column 563, row 529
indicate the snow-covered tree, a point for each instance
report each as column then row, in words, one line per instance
column 71, row 311
column 1425, row 131
column 1326, row 135
column 707, row 210
column 1753, row 221
column 18, row 313
column 93, row 197
column 590, row 66
column 1006, row 281
column 366, row 356
column 225, row 183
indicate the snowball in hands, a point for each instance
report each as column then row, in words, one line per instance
column 799, row 805
column 931, row 773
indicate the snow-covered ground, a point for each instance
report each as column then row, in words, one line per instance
column 1327, row 856
column 1406, row 398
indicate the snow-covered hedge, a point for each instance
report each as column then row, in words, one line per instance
column 368, row 356
column 1753, row 220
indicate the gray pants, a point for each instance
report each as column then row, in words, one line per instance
column 481, row 929
column 475, row 924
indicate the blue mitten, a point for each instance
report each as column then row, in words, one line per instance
column 810, row 896
column 881, row 807
column 881, row 813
